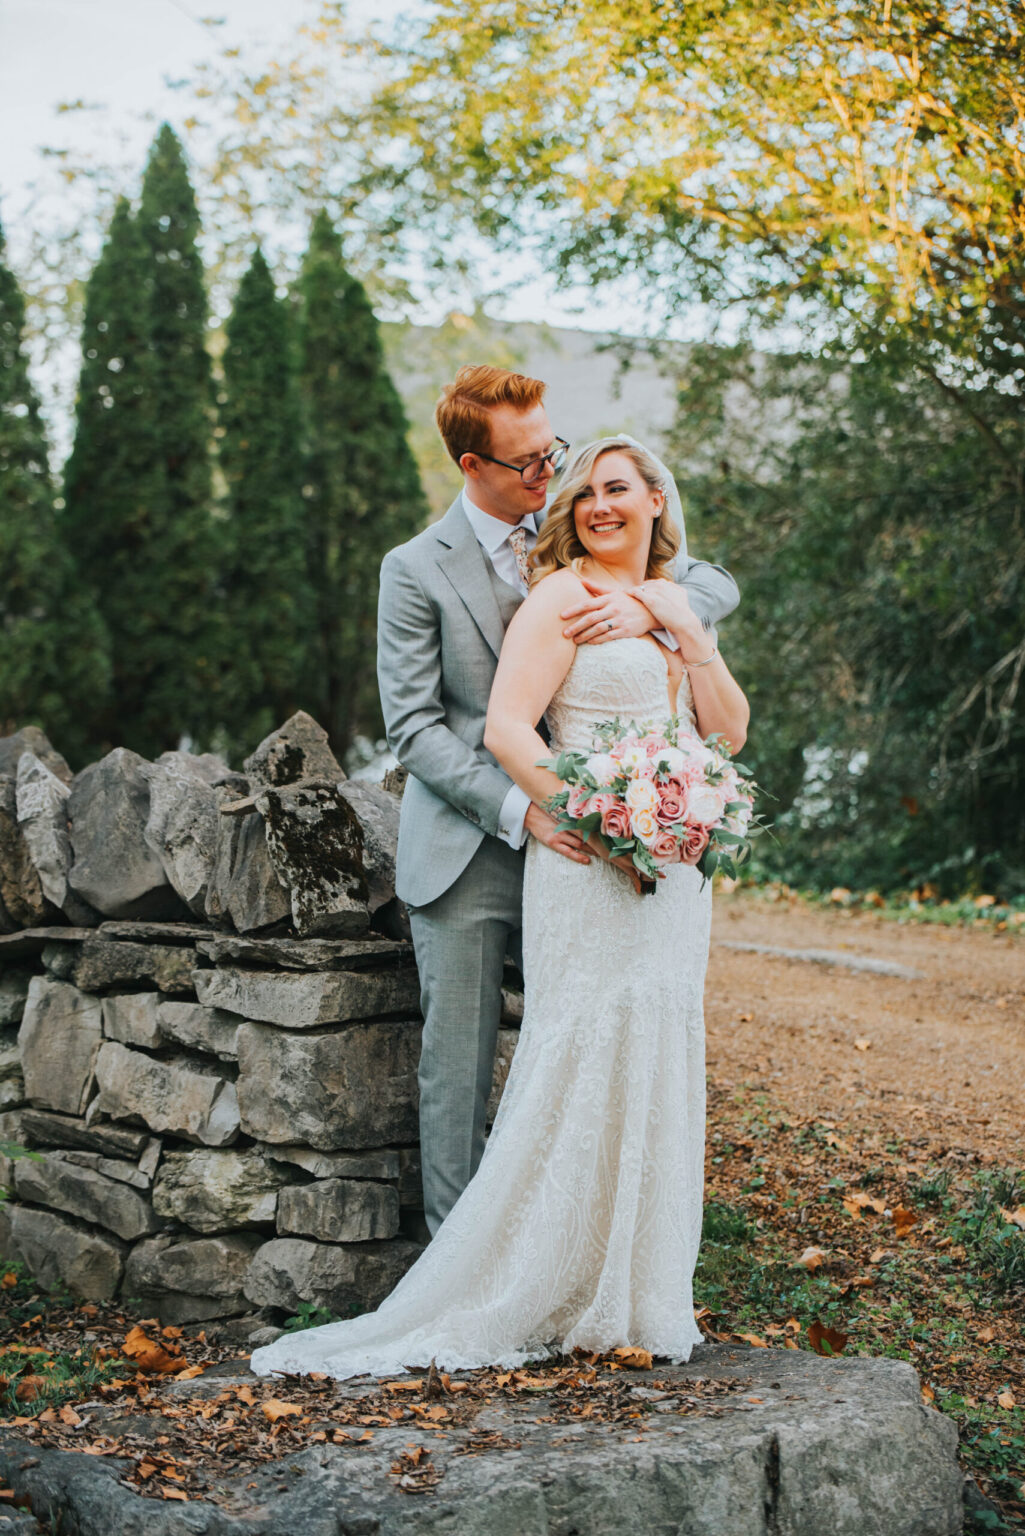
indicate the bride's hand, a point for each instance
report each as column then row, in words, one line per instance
column 670, row 607
column 621, row 862
column 602, row 616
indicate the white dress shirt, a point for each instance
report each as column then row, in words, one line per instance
column 493, row 537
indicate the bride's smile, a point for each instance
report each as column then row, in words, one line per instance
column 614, row 514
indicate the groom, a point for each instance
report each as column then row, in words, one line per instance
column 446, row 599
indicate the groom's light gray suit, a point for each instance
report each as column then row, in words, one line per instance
column 442, row 615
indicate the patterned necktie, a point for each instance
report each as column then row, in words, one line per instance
column 518, row 545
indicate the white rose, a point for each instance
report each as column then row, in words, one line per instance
column 632, row 758
column 641, row 795
column 603, row 767
column 644, row 826
column 739, row 821
column 704, row 805
column 670, row 760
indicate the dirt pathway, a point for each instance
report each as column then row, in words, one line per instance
column 941, row 1055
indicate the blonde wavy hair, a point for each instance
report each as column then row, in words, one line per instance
column 558, row 545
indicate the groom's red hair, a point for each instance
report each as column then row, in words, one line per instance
column 462, row 411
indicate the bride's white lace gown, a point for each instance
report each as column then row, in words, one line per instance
column 581, row 1225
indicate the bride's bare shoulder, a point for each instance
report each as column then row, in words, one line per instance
column 556, row 589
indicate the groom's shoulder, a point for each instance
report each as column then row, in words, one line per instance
column 422, row 547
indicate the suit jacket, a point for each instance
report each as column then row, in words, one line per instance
column 438, row 637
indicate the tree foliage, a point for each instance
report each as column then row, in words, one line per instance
column 361, row 484
column 139, row 497
column 53, row 647
column 269, row 596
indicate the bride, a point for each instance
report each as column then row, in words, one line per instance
column 581, row 1225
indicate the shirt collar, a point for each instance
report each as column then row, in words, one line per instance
column 492, row 532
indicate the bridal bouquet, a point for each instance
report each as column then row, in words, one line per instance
column 658, row 798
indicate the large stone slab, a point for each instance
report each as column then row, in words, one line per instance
column 378, row 813
column 297, row 1000
column 153, row 933
column 181, row 829
column 335, row 1089
column 299, row 749
column 339, row 1210
column 114, row 869
column 28, row 942
column 138, row 1175
column 288, row 1271
column 54, row 1249
column 283, row 954
column 41, row 798
column 825, row 1452
column 315, row 843
column 212, row 1191
column 189, row 1280
column 59, row 1039
column 174, row 1096
column 41, row 1128
column 13, row 995
column 85, row 1193
column 101, row 963
column 244, row 888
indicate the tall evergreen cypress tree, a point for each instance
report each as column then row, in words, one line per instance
column 138, row 485
column 269, row 597
column 54, row 662
column 361, row 483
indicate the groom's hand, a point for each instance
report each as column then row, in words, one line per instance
column 545, row 828
column 606, row 616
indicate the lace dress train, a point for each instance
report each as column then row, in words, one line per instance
column 581, row 1225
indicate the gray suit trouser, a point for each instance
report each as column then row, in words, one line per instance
column 461, row 941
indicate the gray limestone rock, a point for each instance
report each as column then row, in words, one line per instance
column 210, row 1191
column 10, row 1056
column 382, row 1164
column 13, row 993
column 138, row 1175
column 59, row 1040
column 60, row 960
column 210, row 1270
column 244, row 887
column 378, row 813
column 339, row 1210
column 181, row 829
column 315, row 843
column 507, row 1040
column 21, row 892
column 41, row 800
column 289, row 1270
column 114, row 869
column 40, row 1128
column 299, row 749
column 12, row 1092
column 102, row 963
column 85, row 1193
column 54, row 1249
column 304, row 1000
column 178, row 1096
column 31, row 739
column 131, row 1017
column 349, row 1088
column 283, row 954
column 153, row 933
column 200, row 1028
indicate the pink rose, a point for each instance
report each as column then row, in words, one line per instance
column 656, row 744
column 666, row 847
column 670, row 806
column 615, row 821
column 645, row 770
column 694, row 844
column 602, row 802
column 577, row 803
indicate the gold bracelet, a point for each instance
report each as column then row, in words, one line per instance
column 707, row 662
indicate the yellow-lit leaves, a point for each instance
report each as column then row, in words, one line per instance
column 275, row 1408
column 149, row 1355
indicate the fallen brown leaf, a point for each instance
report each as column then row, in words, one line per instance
column 274, row 1408
column 1006, row 1399
column 811, row 1258
column 634, row 1359
column 825, row 1340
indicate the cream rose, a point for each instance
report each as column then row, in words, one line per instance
column 704, row 805
column 632, row 758
column 669, row 760
column 644, row 827
column 641, row 795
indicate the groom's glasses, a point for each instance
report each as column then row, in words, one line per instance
column 556, row 457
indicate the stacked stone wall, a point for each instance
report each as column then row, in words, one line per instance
column 209, row 1032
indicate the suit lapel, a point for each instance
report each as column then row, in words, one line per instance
column 464, row 563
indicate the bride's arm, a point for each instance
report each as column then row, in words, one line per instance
column 720, row 706
column 535, row 659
